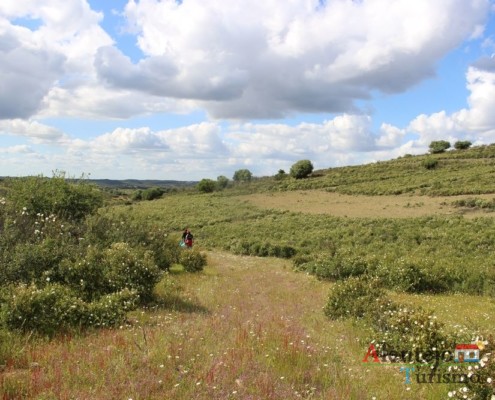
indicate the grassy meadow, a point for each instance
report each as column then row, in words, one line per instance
column 409, row 249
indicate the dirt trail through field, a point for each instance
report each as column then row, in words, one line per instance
column 245, row 328
column 341, row 205
column 266, row 337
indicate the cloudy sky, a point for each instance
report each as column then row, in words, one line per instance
column 191, row 89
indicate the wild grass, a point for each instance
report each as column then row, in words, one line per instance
column 258, row 333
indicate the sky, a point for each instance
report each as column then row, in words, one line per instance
column 193, row 89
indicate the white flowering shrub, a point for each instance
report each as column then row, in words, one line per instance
column 399, row 327
column 33, row 262
column 479, row 382
column 392, row 325
column 57, row 196
column 54, row 308
column 104, row 230
column 111, row 309
column 129, row 268
column 85, row 275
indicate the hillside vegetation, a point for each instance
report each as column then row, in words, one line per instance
column 79, row 274
column 470, row 171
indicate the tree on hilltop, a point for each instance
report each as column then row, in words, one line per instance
column 462, row 144
column 222, row 182
column 206, row 185
column 242, row 175
column 301, row 169
column 439, row 146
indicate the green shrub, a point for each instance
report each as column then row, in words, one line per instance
column 111, row 309
column 86, row 275
column 206, row 186
column 104, row 271
column 301, row 169
column 222, row 182
column 130, row 268
column 399, row 326
column 104, row 230
column 439, row 146
column 355, row 297
column 260, row 249
column 137, row 195
column 52, row 309
column 462, row 144
column 56, row 196
column 475, row 202
column 280, row 175
column 56, row 308
column 336, row 268
column 430, row 163
column 242, row 175
column 33, row 262
column 152, row 193
column 282, row 251
column 192, row 260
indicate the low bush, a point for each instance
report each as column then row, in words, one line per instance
column 356, row 297
column 111, row 309
column 129, row 268
column 35, row 262
column 398, row 326
column 52, row 309
column 69, row 200
column 86, row 276
column 430, row 163
column 260, row 249
column 56, row 308
column 192, row 260
column 102, row 231
column 336, row 267
column 475, row 202
column 152, row 193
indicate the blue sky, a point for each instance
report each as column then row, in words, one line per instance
column 195, row 89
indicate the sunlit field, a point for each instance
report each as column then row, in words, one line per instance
column 286, row 294
column 246, row 328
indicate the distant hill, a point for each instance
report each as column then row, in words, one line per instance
column 454, row 172
column 141, row 184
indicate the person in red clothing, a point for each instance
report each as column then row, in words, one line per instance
column 188, row 238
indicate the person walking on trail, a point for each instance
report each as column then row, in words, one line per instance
column 188, row 238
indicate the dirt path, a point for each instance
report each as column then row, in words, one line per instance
column 245, row 328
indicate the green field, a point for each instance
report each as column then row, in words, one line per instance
column 301, row 277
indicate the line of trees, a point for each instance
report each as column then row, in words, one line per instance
column 440, row 146
column 299, row 170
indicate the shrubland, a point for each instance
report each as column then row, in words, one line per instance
column 455, row 172
column 65, row 267
column 66, row 272
column 419, row 255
